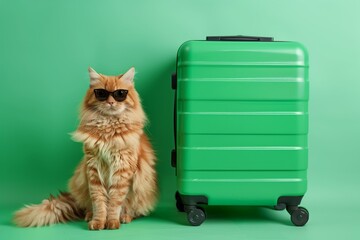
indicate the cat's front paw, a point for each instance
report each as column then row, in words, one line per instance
column 125, row 218
column 96, row 225
column 113, row 224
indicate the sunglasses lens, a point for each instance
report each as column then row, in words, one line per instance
column 120, row 95
column 101, row 94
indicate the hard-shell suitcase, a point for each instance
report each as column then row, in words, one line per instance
column 241, row 125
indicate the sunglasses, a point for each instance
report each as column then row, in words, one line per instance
column 102, row 94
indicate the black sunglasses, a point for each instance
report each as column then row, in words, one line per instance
column 119, row 95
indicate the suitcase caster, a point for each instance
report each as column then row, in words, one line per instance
column 179, row 204
column 299, row 215
column 190, row 204
column 195, row 215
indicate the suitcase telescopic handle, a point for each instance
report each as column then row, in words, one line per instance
column 240, row 38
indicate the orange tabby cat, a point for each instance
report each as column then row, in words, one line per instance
column 116, row 181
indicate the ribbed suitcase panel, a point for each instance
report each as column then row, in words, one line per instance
column 242, row 121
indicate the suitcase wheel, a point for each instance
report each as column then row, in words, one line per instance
column 196, row 216
column 299, row 215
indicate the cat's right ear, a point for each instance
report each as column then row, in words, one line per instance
column 94, row 76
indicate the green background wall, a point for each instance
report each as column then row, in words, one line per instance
column 46, row 47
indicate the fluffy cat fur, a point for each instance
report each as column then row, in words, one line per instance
column 116, row 180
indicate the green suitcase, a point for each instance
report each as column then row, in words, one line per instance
column 241, row 125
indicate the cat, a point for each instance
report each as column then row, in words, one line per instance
column 116, row 181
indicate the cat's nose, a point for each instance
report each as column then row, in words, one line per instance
column 110, row 101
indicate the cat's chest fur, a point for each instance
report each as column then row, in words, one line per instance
column 109, row 137
column 112, row 143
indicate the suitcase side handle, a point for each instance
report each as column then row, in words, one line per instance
column 174, row 86
column 240, row 38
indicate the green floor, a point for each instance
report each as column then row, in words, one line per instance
column 333, row 219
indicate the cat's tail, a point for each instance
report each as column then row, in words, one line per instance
column 52, row 210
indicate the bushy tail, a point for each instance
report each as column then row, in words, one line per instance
column 53, row 210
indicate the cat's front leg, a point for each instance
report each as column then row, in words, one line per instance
column 98, row 196
column 120, row 183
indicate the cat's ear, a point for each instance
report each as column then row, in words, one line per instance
column 129, row 75
column 94, row 76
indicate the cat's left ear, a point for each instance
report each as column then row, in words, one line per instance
column 94, row 76
column 129, row 75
